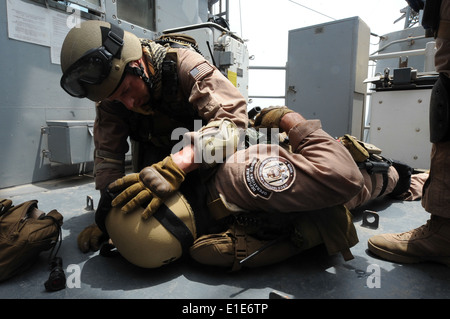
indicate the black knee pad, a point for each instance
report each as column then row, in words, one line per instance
column 440, row 110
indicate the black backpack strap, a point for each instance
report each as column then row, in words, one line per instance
column 175, row 226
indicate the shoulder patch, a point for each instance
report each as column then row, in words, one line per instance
column 201, row 71
column 273, row 174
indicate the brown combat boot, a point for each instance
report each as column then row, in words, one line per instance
column 430, row 242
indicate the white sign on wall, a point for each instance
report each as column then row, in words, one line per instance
column 33, row 23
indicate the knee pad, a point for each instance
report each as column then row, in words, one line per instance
column 440, row 110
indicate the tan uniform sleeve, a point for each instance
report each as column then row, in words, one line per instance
column 209, row 91
column 111, row 131
column 319, row 173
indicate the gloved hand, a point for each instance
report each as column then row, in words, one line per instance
column 270, row 117
column 91, row 238
column 149, row 187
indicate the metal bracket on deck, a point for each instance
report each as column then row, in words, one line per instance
column 89, row 203
column 370, row 219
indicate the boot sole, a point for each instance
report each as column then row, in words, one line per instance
column 401, row 259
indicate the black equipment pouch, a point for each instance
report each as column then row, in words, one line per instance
column 440, row 110
column 376, row 164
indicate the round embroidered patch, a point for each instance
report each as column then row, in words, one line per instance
column 273, row 174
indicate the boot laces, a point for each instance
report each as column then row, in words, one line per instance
column 419, row 231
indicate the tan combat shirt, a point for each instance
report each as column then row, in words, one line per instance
column 211, row 94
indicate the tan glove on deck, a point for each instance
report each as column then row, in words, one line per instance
column 149, row 187
column 91, row 238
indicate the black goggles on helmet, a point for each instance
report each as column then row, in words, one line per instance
column 94, row 66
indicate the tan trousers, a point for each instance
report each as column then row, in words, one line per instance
column 436, row 193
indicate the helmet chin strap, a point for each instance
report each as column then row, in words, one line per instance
column 139, row 71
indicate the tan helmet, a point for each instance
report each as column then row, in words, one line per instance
column 159, row 240
column 93, row 58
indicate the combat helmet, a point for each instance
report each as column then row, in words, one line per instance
column 94, row 55
column 158, row 240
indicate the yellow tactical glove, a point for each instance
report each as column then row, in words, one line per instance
column 91, row 238
column 270, row 117
column 149, row 187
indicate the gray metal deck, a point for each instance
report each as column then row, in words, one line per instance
column 312, row 274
